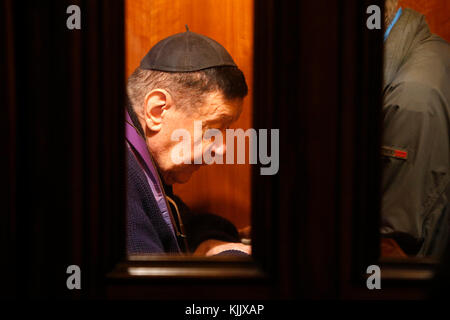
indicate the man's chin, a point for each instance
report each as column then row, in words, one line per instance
column 184, row 177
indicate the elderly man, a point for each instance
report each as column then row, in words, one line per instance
column 416, row 135
column 184, row 78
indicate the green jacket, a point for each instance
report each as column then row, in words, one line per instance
column 416, row 130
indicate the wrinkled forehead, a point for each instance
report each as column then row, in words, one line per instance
column 216, row 109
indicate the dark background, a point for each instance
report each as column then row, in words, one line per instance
column 63, row 184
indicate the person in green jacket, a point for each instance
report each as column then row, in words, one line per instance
column 415, row 151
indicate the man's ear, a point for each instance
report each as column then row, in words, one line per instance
column 156, row 104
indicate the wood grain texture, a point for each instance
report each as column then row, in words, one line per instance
column 437, row 13
column 224, row 189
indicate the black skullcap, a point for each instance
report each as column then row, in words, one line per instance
column 186, row 52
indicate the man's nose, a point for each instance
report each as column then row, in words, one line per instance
column 219, row 148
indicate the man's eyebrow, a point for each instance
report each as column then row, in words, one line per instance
column 221, row 117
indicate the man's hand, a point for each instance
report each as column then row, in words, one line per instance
column 212, row 247
column 390, row 248
column 245, row 233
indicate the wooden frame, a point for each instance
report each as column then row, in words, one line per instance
column 353, row 84
column 315, row 224
column 360, row 212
